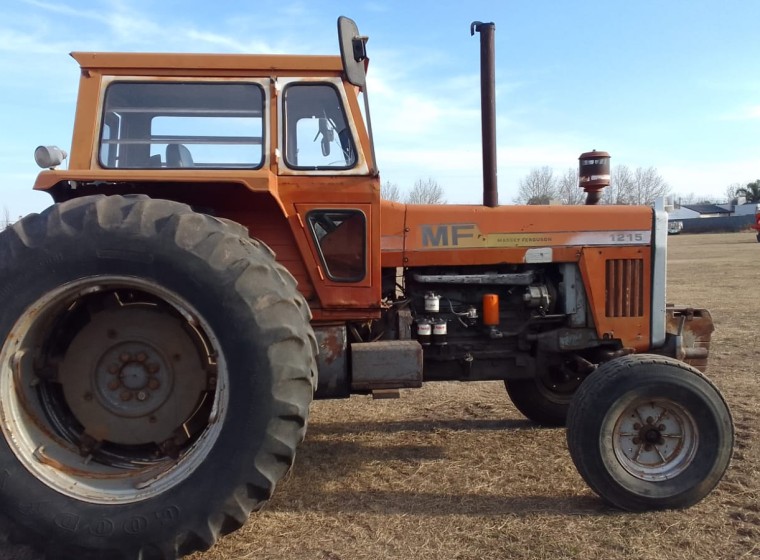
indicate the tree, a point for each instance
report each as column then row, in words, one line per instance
column 568, row 190
column 426, row 191
column 730, row 193
column 648, row 185
column 538, row 187
column 642, row 186
column 390, row 191
column 751, row 192
column 621, row 182
column 540, row 199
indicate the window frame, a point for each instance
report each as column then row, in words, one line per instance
column 317, row 242
column 354, row 122
column 357, row 164
column 107, row 118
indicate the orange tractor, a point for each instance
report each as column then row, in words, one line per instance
column 218, row 254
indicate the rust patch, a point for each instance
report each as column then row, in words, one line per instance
column 331, row 346
column 695, row 327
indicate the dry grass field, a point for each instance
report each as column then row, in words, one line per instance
column 453, row 471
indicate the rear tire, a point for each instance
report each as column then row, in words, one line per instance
column 155, row 378
column 648, row 432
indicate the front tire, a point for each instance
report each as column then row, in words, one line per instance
column 155, row 378
column 545, row 399
column 648, row 432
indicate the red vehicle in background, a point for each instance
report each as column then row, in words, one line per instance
column 756, row 225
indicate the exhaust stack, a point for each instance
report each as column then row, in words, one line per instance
column 488, row 110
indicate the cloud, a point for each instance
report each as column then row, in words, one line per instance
column 26, row 42
column 63, row 9
column 376, row 7
column 748, row 112
column 752, row 112
column 123, row 26
column 229, row 43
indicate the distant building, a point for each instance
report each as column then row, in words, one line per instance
column 733, row 208
column 731, row 216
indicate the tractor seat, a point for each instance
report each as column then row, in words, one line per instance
column 177, row 155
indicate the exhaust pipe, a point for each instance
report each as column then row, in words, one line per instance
column 488, row 110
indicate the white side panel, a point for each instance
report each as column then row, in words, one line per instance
column 659, row 275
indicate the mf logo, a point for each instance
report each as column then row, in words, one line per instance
column 447, row 235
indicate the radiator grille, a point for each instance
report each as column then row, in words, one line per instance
column 625, row 288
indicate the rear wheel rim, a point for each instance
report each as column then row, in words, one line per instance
column 125, row 408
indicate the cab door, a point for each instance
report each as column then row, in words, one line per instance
column 323, row 175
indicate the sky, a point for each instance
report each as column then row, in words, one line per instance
column 674, row 85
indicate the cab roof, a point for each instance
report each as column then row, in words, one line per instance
column 171, row 62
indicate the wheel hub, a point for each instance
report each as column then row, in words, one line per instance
column 133, row 379
column 649, row 433
column 655, row 440
column 133, row 376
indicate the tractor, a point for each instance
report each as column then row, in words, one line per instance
column 218, row 254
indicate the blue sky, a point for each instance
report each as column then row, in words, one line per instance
column 674, row 85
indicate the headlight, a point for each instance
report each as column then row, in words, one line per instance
column 49, row 157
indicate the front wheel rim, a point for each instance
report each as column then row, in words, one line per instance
column 655, row 440
column 118, row 416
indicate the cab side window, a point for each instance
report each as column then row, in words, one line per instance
column 316, row 131
column 340, row 237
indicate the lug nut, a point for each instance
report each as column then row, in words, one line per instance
column 636, row 441
column 125, row 357
column 114, row 369
column 142, row 395
column 142, row 356
column 125, row 395
column 153, row 368
column 154, row 383
column 114, row 384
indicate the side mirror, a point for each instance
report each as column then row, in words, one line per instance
column 353, row 51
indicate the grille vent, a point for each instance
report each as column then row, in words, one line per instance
column 625, row 288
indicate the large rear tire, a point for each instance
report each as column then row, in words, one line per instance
column 648, row 432
column 155, row 378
